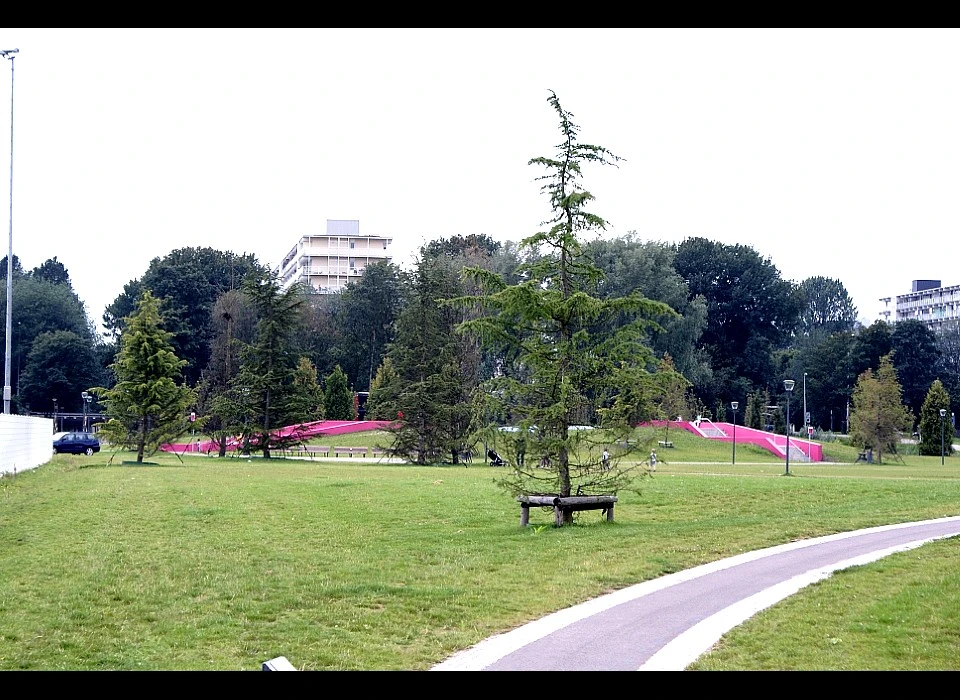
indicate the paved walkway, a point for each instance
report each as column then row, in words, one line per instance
column 666, row 623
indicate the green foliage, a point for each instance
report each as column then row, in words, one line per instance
column 569, row 357
column 827, row 308
column 39, row 307
column 337, row 398
column 366, row 314
column 52, row 271
column 381, row 404
column 915, row 357
column 871, row 344
column 671, row 400
column 188, row 281
column 935, row 432
column 146, row 406
column 751, row 312
column 471, row 247
column 436, row 370
column 629, row 265
column 264, row 383
column 878, row 416
column 234, row 328
column 60, row 366
column 306, row 401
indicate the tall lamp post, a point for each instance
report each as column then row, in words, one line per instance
column 55, row 429
column 734, row 406
column 805, row 420
column 86, row 398
column 788, row 385
column 9, row 54
column 943, row 414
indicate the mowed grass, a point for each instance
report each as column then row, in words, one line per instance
column 346, row 565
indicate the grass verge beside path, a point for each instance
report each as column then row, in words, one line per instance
column 225, row 563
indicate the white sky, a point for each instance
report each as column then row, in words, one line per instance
column 832, row 152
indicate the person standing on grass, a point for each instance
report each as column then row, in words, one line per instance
column 605, row 459
column 653, row 460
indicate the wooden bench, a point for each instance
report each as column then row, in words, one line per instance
column 664, row 443
column 564, row 505
column 350, row 451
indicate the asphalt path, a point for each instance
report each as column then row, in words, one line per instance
column 666, row 623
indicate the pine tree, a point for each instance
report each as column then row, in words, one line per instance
column 306, row 400
column 432, row 392
column 566, row 363
column 381, row 404
column 337, row 397
column 262, row 387
column 147, row 407
column 936, row 432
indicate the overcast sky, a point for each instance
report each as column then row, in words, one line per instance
column 831, row 152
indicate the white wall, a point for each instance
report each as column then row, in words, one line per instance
column 25, row 442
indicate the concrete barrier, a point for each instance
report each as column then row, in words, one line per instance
column 25, row 442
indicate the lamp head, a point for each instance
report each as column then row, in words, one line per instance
column 943, row 412
column 84, row 395
column 734, row 405
column 788, row 384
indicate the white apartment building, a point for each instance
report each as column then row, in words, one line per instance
column 328, row 261
column 928, row 302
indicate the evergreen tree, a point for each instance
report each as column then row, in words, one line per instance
column 935, row 432
column 568, row 363
column 434, row 382
column 878, row 416
column 306, row 402
column 381, row 404
column 146, row 407
column 264, row 381
column 337, row 397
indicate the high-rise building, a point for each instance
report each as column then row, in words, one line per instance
column 328, row 261
column 928, row 301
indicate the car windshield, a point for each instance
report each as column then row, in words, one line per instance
column 57, row 436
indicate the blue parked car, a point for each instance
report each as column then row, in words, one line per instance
column 75, row 443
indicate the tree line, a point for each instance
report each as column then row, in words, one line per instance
column 467, row 338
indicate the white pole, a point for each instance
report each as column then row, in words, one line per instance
column 10, row 54
column 805, row 403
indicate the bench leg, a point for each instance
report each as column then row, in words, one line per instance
column 558, row 516
column 610, row 513
column 524, row 514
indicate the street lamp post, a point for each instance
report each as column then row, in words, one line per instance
column 9, row 54
column 734, row 405
column 943, row 414
column 86, row 398
column 55, row 429
column 788, row 385
column 805, row 421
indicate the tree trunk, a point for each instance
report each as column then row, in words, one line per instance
column 141, row 438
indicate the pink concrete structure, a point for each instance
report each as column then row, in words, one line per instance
column 303, row 431
column 801, row 450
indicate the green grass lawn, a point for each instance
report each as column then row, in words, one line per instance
column 339, row 564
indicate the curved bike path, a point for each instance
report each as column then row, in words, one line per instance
column 666, row 623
